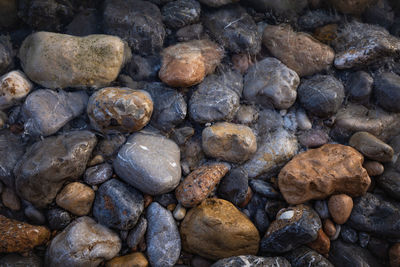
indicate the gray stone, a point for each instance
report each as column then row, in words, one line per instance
column 304, row 256
column 149, row 162
column 321, row 207
column 387, row 90
column 250, row 260
column 313, row 19
column 108, row 146
column 177, row 14
column 190, row 32
column 34, row 215
column 269, row 120
column 137, row 233
column 246, row 114
column 313, row 138
column 233, row 186
column 349, row 255
column 359, row 86
column 371, row 147
column 12, row 146
column 14, row 87
column 98, row 174
column 287, row 8
column 348, row 234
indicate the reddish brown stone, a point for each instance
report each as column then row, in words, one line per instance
column 374, row 168
column 340, row 207
column 394, row 255
column 329, row 228
column 322, row 244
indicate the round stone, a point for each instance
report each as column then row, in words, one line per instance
column 340, row 207
column 77, row 198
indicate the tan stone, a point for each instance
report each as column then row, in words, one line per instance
column 228, row 141
column 20, row 237
column 199, row 184
column 76, row 198
column 340, row 207
column 319, row 173
column 186, row 64
column 354, row 7
column 299, row 51
column 322, row 244
column 14, row 86
column 329, row 228
column 131, row 260
column 394, row 255
column 373, row 168
column 216, row 229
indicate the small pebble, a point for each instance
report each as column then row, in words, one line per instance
column 329, row 228
column 98, row 159
column 179, row 212
column 340, row 207
column 98, row 174
column 374, row 168
column 58, row 218
column 77, row 198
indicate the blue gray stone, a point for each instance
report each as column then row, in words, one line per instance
column 137, row 233
column 98, row 174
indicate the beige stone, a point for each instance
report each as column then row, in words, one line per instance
column 340, row 207
column 14, row 86
column 76, row 198
column 131, row 260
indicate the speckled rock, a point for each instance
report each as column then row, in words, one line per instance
column 12, row 146
column 77, row 198
column 11, row 260
column 132, row 260
column 298, row 51
column 115, row 109
column 14, row 87
column 162, row 229
column 98, row 174
column 177, row 14
column 386, row 90
column 319, row 173
column 38, row 176
column 234, row 186
column 371, row 147
column 349, row 255
column 20, row 237
column 216, row 229
column 46, row 111
column 217, row 3
column 186, row 64
column 94, row 60
column 150, row 162
column 83, row 243
column 304, row 256
column 251, row 260
column 200, row 183
column 293, row 227
column 351, row 7
column 57, row 218
column 271, row 83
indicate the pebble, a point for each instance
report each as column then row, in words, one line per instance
column 246, row 114
column 394, row 255
column 182, row 135
column 21, row 237
column 34, row 215
column 190, row 32
column 14, row 87
column 58, row 219
column 76, row 198
column 83, row 235
column 261, row 221
column 359, row 86
column 293, row 227
column 313, row 138
column 18, row 260
column 348, row 234
column 186, row 64
column 321, row 207
column 177, row 14
column 263, row 188
column 179, row 212
column 338, row 230
column 234, row 186
column 114, row 109
column 271, row 84
column 371, row 147
column 217, row 3
column 137, row 22
column 12, row 146
column 251, row 260
column 329, row 228
column 374, row 168
column 340, row 207
column 98, row 174
column 304, row 256
column 229, row 142
column 38, row 176
column 199, row 184
column 303, row 121
column 132, row 260
column 149, row 162
column 10, row 199
column 322, row 244
column 298, row 51
column 216, row 229
column 83, row 61
column 137, row 233
column 109, row 146
column 6, row 53
column 309, row 174
column 386, row 90
column 351, row 7
column 363, row 239
column 346, row 254
column 118, row 205
column 162, row 229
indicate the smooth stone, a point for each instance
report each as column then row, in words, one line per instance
column 374, row 168
column 263, row 188
column 304, row 256
column 321, row 207
column 322, row 244
column 14, row 87
column 150, row 163
column 217, row 3
column 6, row 52
column 34, row 215
column 182, row 135
column 250, row 260
column 10, row 199
column 348, row 234
column 387, row 90
column 11, row 260
column 216, row 229
column 13, row 146
column 349, row 255
column 177, row 14
column 89, row 242
column 98, row 174
column 289, row 232
column 309, row 174
column 303, row 121
column 49, row 163
column 329, row 228
column 132, row 260
column 234, row 186
column 162, row 229
column 298, row 51
column 338, row 230
column 389, row 181
column 58, row 219
column 56, row 60
column 313, row 138
column 271, row 83
column 359, row 86
column 371, row 147
column 340, row 207
column 76, row 198
column 261, row 221
column 179, row 212
column 246, row 114
column 137, row 233
column 394, row 255
column 273, row 206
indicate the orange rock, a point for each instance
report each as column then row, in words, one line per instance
column 340, row 207
column 329, row 228
column 374, row 168
column 322, row 244
column 319, row 173
column 20, row 237
column 394, row 255
column 77, row 198
column 199, row 184
column 131, row 260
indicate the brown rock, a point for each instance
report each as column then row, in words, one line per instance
column 354, row 7
column 394, row 255
column 371, row 147
column 329, row 228
column 199, row 184
column 249, row 195
column 131, row 260
column 114, row 109
column 10, row 199
column 322, row 244
column 216, row 229
column 19, row 236
column 373, row 168
column 319, row 173
column 228, row 141
column 299, row 51
column 147, row 200
column 77, row 198
column 340, row 207
column 186, row 64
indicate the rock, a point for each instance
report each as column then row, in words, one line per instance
column 217, row 3
column 321, row 207
column 322, row 95
column 149, row 162
column 313, row 138
column 313, row 19
column 238, row 261
column 303, row 121
column 363, row 239
column 14, row 87
column 192, row 154
column 234, row 186
column 271, row 83
column 46, row 111
column 298, row 51
column 329, row 228
column 58, row 219
column 234, row 29
column 34, row 215
column 216, row 98
column 179, row 212
column 275, row 150
column 94, row 60
column 263, row 188
column 21, row 237
column 293, row 227
column 186, row 64
column 115, row 109
column 287, row 9
column 98, row 174
column 304, row 256
column 386, row 90
column 182, row 135
column 137, row 22
column 18, row 260
column 310, row 174
column 86, row 22
column 261, row 221
column 83, row 243
column 77, row 198
column 162, row 229
column 322, row 244
column 10, row 199
column 359, row 45
column 180, row 13
column 348, row 234
column 133, row 260
column 340, row 207
column 371, row 147
column 137, row 233
column 6, row 52
column 394, row 255
column 216, row 229
column 246, row 115
column 144, row 68
column 378, row 247
column 8, row 13
column 110, row 145
column 190, row 32
column 118, row 205
column 13, row 146
column 359, row 86
column 230, row 142
column 199, row 184
column 390, row 183
column 349, row 255
column 351, row 7
column 373, row 168
column 273, row 206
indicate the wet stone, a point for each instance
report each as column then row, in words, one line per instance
column 57, row 218
column 348, row 234
column 373, row 168
column 239, row 261
column 371, row 147
column 272, row 207
column 180, row 13
column 329, row 228
column 233, row 186
column 135, row 260
column 304, row 256
column 98, row 174
column 109, row 146
column 313, row 138
column 137, row 233
column 340, row 207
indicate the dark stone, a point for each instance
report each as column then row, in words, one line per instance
column 108, row 146
column 256, row 202
column 363, row 239
column 349, row 255
column 34, row 215
column 181, row 135
column 233, row 28
column 250, row 260
column 85, row 23
column 166, row 199
column 389, row 181
column 180, row 13
column 313, row 19
column 387, row 91
column 273, row 206
column 359, row 86
column 118, row 205
column 144, row 68
column 261, row 221
column 98, row 174
column 58, row 219
column 137, row 233
column 287, row 9
column 348, row 234
column 6, row 54
column 304, row 256
column 378, row 247
column 380, row 13
column 190, row 32
column 233, row 186
column 321, row 207
column 8, row 14
column 12, row 146
column 17, row 260
column 263, row 188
